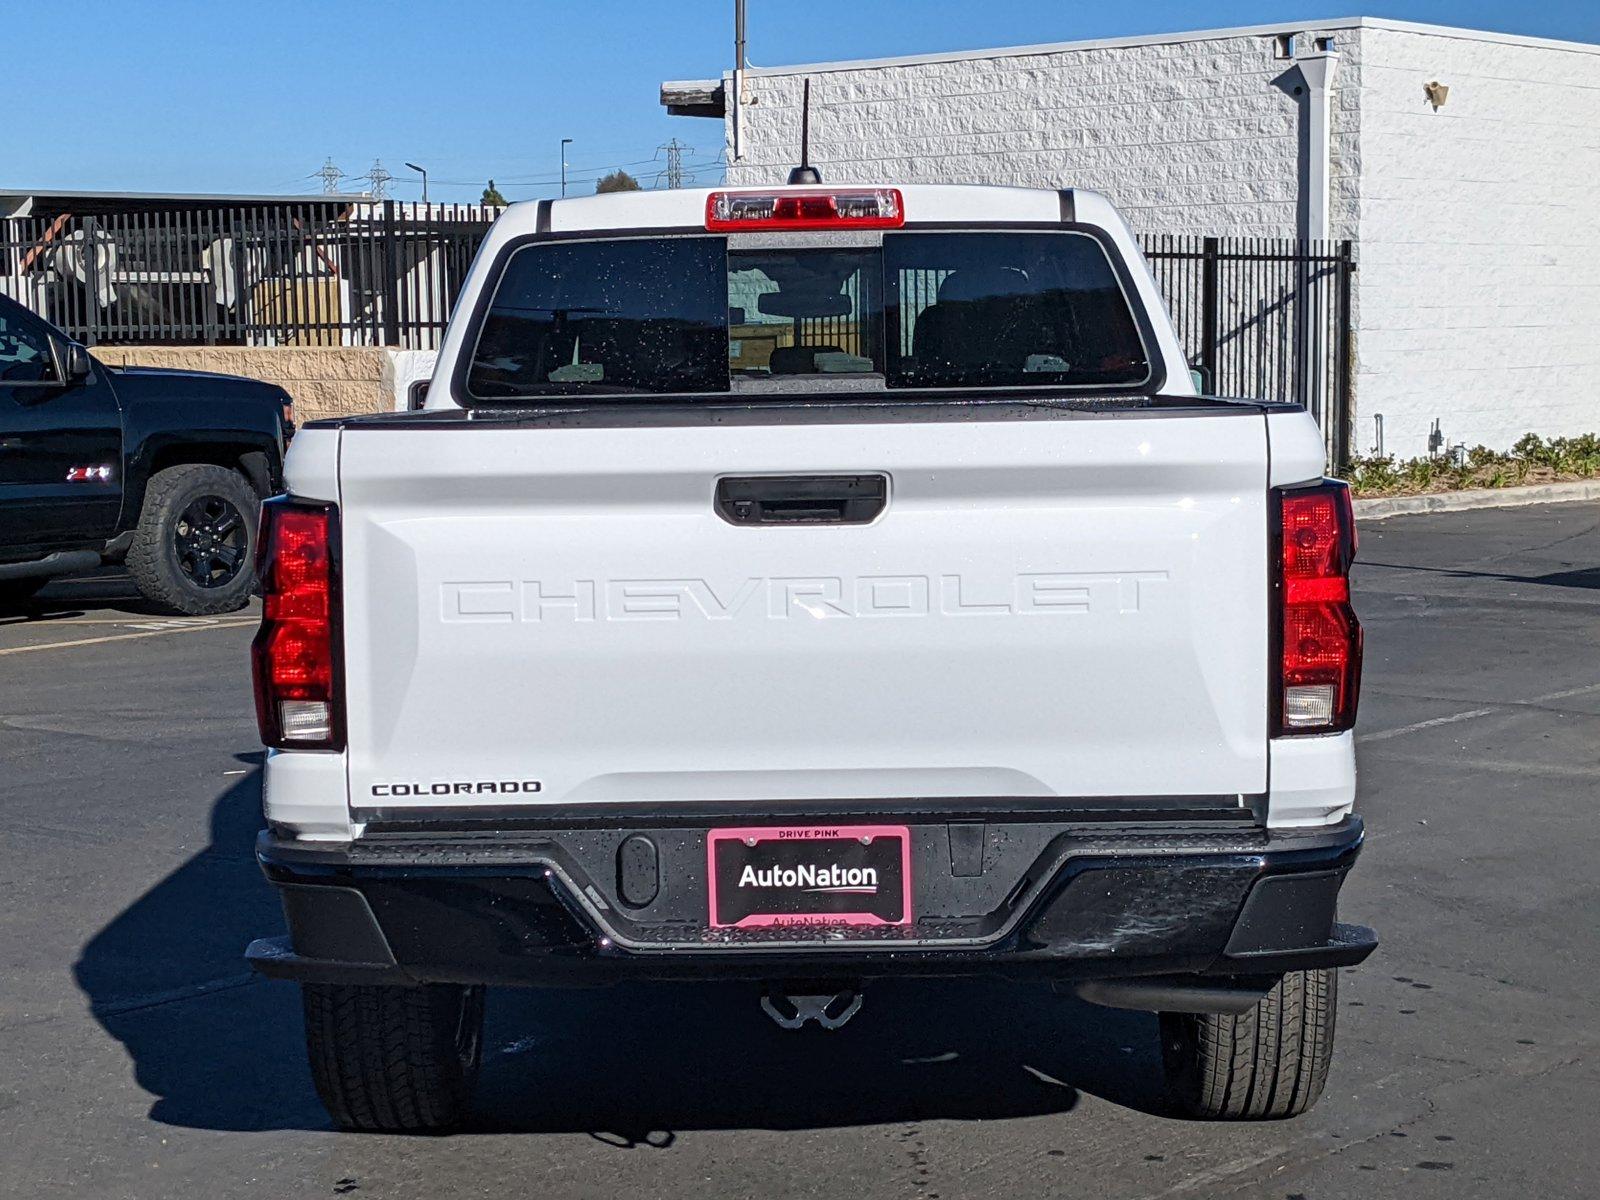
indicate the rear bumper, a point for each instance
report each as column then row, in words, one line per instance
column 1087, row 900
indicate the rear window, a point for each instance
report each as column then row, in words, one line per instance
column 617, row 318
column 1006, row 310
column 698, row 315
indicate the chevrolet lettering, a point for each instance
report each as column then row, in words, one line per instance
column 950, row 595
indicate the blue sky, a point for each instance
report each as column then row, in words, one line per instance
column 226, row 96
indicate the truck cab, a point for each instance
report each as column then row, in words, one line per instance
column 809, row 585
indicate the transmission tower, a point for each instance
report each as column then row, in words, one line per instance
column 674, row 175
column 378, row 181
column 330, row 176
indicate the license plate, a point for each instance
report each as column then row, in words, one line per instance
column 810, row 875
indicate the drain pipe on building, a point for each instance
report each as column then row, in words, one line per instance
column 1319, row 71
column 735, row 101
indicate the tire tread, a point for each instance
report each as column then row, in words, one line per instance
column 1265, row 1064
column 147, row 560
column 385, row 1058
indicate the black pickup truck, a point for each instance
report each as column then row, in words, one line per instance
column 161, row 470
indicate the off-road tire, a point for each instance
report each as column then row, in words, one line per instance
column 394, row 1059
column 1262, row 1065
column 153, row 558
column 15, row 593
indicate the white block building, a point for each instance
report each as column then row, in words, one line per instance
column 1463, row 165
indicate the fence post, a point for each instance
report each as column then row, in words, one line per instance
column 391, row 278
column 1304, row 340
column 91, row 283
column 1210, row 313
column 1343, row 417
column 241, row 310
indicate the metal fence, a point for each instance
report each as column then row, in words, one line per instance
column 1258, row 317
column 361, row 273
column 1266, row 318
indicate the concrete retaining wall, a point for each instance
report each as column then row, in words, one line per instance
column 324, row 382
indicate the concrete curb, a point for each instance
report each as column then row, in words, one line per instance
column 1510, row 497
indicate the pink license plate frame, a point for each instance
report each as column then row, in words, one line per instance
column 809, row 834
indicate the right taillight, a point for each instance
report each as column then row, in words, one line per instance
column 295, row 655
column 1319, row 637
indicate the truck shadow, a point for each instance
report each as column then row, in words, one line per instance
column 635, row 1065
column 632, row 1066
column 107, row 589
column 166, row 977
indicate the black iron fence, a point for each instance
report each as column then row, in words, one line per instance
column 1268, row 318
column 1265, row 318
column 357, row 273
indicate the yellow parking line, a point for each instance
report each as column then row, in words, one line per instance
column 123, row 637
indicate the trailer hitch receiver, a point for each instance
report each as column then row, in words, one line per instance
column 793, row 1007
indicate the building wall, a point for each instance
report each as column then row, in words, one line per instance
column 1198, row 136
column 1479, row 280
column 1477, row 300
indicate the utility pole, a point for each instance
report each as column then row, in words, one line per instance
column 565, row 142
column 330, row 176
column 674, row 173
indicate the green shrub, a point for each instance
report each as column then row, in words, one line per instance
column 1531, row 457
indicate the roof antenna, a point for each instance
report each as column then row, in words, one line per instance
column 805, row 172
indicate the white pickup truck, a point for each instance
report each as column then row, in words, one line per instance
column 811, row 585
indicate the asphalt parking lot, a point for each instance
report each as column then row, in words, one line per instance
column 138, row 1058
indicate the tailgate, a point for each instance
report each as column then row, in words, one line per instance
column 1071, row 607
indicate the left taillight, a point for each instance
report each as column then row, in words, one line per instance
column 1318, row 635
column 295, row 655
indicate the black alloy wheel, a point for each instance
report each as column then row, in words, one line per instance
column 211, row 541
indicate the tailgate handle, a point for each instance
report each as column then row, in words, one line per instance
column 801, row 499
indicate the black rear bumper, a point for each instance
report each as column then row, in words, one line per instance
column 1068, row 899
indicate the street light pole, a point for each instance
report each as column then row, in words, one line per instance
column 565, row 142
column 424, row 173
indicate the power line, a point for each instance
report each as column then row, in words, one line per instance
column 680, row 170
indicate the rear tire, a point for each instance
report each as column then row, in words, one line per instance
column 15, row 593
column 194, row 548
column 394, row 1059
column 1262, row 1065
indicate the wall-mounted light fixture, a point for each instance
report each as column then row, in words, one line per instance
column 1437, row 93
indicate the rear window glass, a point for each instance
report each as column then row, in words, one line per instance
column 804, row 312
column 618, row 318
column 702, row 315
column 1017, row 309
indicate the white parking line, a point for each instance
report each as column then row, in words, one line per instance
column 1384, row 735
column 126, row 637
